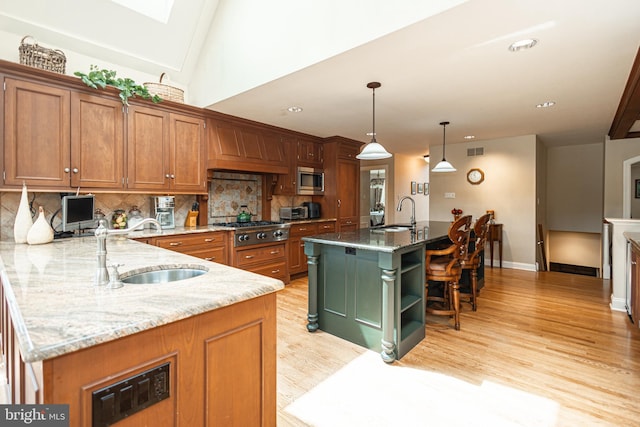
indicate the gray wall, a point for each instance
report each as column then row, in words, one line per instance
column 575, row 188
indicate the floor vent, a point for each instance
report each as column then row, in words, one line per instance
column 573, row 269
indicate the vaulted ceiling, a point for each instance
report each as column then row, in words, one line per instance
column 449, row 64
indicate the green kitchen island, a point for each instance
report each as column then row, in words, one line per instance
column 367, row 286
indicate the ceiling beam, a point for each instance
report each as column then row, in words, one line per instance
column 629, row 108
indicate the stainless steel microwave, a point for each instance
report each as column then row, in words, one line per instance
column 310, row 181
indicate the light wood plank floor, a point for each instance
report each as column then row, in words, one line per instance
column 548, row 334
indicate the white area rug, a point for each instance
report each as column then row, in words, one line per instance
column 369, row 392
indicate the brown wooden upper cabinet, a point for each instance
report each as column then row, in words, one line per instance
column 234, row 146
column 310, row 153
column 342, row 183
column 165, row 151
column 58, row 139
column 37, row 142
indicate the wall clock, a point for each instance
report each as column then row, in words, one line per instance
column 475, row 176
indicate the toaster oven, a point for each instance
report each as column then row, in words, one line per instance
column 294, row 212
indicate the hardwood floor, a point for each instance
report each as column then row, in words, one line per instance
column 548, row 334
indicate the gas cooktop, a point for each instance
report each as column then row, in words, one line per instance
column 250, row 224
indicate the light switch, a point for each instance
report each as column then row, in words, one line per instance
column 449, row 195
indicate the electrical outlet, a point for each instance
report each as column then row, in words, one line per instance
column 449, row 195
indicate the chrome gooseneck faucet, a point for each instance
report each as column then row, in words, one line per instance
column 102, row 275
column 413, row 209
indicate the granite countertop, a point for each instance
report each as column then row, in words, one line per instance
column 57, row 309
column 377, row 239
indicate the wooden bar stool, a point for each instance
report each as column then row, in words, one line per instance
column 444, row 265
column 472, row 261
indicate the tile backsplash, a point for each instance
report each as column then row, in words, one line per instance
column 227, row 193
column 107, row 203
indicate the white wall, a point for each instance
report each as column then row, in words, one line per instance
column 407, row 169
column 509, row 188
column 9, row 43
column 245, row 50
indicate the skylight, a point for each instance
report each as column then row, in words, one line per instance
column 159, row 10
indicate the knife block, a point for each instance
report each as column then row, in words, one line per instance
column 192, row 219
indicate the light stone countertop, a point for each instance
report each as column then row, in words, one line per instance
column 57, row 309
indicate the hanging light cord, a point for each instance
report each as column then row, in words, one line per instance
column 373, row 136
column 444, row 138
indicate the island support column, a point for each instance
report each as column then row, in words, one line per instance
column 312, row 314
column 388, row 352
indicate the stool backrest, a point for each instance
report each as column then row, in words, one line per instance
column 459, row 233
column 480, row 229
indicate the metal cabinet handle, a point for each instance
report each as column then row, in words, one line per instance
column 210, row 239
column 211, row 258
column 173, row 176
column 175, row 243
column 67, row 170
column 75, row 170
column 339, row 202
column 248, row 256
column 302, row 229
column 275, row 252
column 167, row 176
column 275, row 271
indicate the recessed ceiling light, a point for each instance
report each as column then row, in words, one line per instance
column 522, row 45
column 546, row 104
column 294, row 109
column 469, row 137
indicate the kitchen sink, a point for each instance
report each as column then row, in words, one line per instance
column 392, row 229
column 162, row 274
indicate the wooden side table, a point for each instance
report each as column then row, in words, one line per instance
column 495, row 235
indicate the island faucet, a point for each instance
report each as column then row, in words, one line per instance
column 413, row 210
column 102, row 275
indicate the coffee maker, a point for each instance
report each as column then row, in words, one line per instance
column 164, row 210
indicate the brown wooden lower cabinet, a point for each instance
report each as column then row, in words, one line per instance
column 222, row 369
column 210, row 246
column 269, row 260
column 297, row 258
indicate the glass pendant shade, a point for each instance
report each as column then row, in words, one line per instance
column 443, row 165
column 373, row 150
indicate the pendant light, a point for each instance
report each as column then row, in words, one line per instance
column 443, row 166
column 373, row 150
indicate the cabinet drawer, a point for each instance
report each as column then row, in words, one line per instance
column 327, row 227
column 216, row 254
column 185, row 242
column 307, row 229
column 256, row 255
column 277, row 270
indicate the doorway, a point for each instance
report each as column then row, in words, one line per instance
column 374, row 194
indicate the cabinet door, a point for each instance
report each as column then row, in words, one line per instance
column 286, row 184
column 147, row 149
column 347, row 174
column 635, row 288
column 310, row 153
column 97, row 142
column 187, row 154
column 274, row 149
column 37, row 120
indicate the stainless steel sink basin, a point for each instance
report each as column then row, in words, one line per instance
column 395, row 229
column 162, row 274
column 392, row 229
